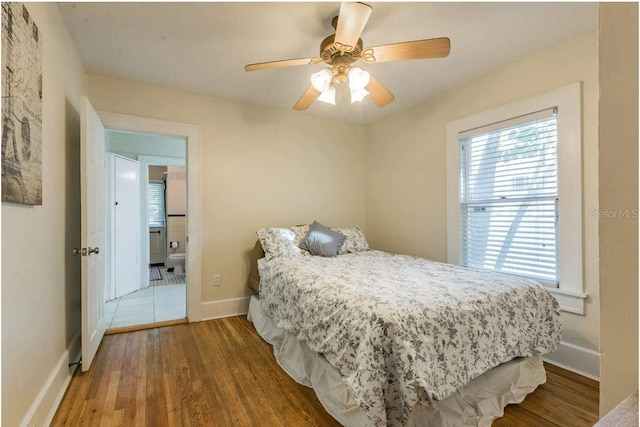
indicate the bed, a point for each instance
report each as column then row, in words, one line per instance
column 396, row 340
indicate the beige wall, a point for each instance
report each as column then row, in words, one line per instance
column 264, row 167
column 618, row 142
column 259, row 167
column 176, row 190
column 406, row 164
column 156, row 173
column 40, row 277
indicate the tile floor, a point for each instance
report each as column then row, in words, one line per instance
column 149, row 305
column 167, row 278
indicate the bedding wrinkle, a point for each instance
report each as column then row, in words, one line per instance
column 401, row 329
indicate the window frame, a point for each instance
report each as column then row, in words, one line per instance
column 472, row 202
column 567, row 99
column 164, row 202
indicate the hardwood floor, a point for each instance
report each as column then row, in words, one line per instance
column 221, row 373
column 566, row 399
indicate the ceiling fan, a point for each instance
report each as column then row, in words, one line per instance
column 343, row 83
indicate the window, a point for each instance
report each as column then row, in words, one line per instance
column 514, row 192
column 508, row 197
column 155, row 192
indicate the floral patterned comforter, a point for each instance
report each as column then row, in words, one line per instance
column 401, row 329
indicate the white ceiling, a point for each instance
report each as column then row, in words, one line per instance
column 203, row 47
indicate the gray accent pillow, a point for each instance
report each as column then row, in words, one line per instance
column 322, row 240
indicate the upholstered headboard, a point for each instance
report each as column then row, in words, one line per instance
column 253, row 281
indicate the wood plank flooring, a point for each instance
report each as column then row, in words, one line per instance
column 221, row 373
column 566, row 399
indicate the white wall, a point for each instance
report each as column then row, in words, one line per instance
column 133, row 145
column 259, row 167
column 618, row 143
column 40, row 277
column 406, row 167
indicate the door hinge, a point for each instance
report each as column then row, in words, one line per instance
column 85, row 251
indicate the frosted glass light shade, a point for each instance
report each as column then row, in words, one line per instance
column 358, row 79
column 358, row 95
column 321, row 80
column 328, row 96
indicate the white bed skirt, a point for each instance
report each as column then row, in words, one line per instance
column 476, row 404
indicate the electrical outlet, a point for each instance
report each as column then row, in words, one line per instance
column 215, row 281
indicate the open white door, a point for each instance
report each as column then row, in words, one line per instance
column 92, row 234
column 126, row 227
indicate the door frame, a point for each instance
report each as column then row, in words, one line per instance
column 191, row 133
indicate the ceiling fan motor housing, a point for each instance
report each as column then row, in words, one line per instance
column 328, row 50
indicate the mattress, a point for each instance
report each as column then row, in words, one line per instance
column 403, row 330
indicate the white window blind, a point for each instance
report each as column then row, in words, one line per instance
column 509, row 197
column 155, row 204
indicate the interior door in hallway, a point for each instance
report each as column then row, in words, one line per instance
column 92, row 172
column 126, row 226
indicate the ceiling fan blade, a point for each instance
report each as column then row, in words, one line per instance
column 280, row 64
column 351, row 21
column 307, row 99
column 417, row 49
column 379, row 94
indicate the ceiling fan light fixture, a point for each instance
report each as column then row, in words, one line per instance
column 358, row 95
column 341, row 84
column 343, row 94
column 321, row 80
column 358, row 79
column 328, row 96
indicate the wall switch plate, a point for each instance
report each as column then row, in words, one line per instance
column 215, row 281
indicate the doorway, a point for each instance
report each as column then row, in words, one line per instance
column 146, row 233
column 124, row 122
column 92, row 228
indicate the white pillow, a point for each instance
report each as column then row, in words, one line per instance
column 301, row 232
column 278, row 242
column 355, row 241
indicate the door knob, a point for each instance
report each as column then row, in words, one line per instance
column 94, row 250
column 75, row 251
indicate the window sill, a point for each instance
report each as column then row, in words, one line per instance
column 571, row 302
